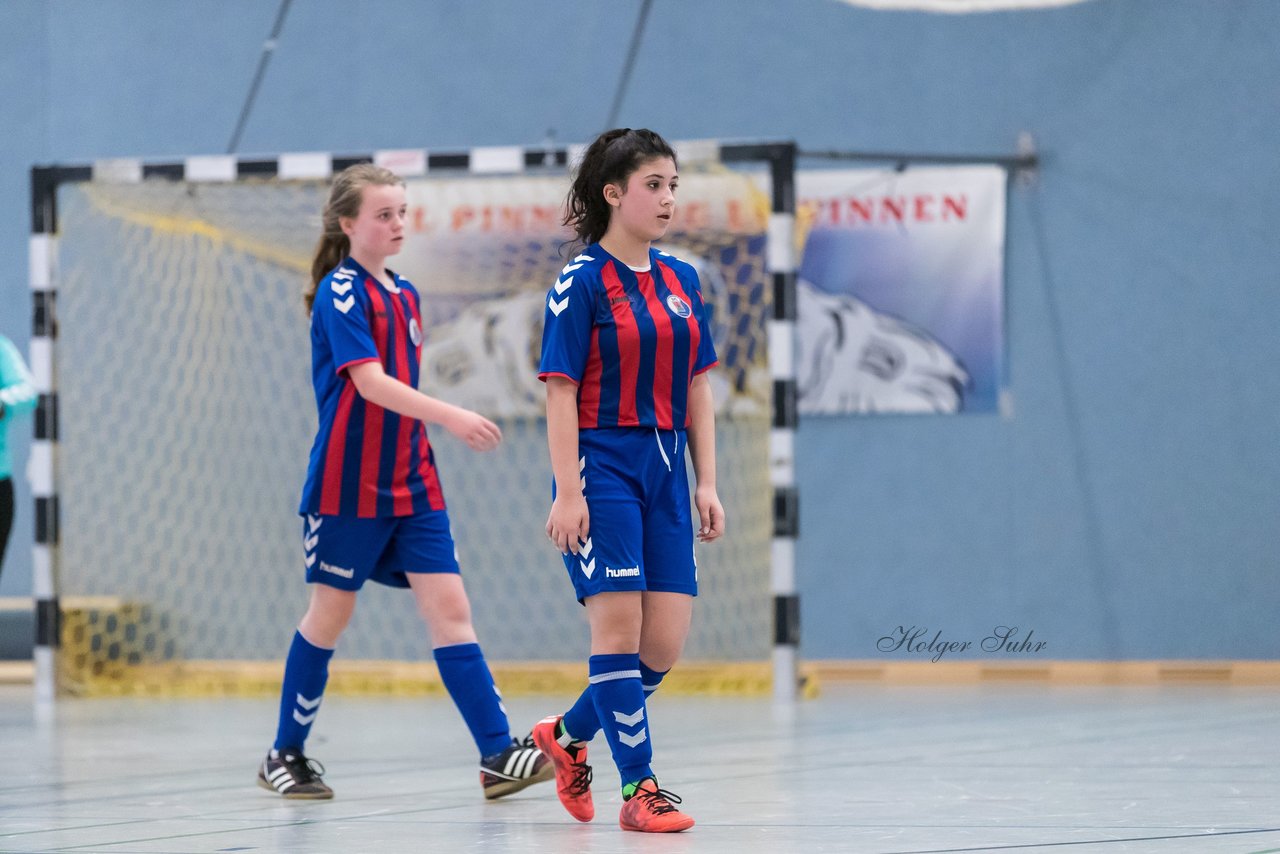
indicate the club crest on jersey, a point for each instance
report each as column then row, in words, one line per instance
column 415, row 332
column 678, row 306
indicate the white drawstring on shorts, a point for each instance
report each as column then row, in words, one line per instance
column 663, row 450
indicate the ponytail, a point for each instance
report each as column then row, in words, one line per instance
column 329, row 253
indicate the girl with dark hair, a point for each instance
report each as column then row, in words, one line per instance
column 625, row 350
column 372, row 506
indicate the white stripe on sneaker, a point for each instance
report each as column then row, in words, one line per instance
column 281, row 785
column 512, row 768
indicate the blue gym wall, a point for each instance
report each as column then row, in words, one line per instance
column 1127, row 505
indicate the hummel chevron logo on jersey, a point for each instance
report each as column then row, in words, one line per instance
column 314, row 522
column 340, row 288
column 585, row 550
column 630, row 720
column 569, row 268
column 588, row 567
column 311, row 542
column 583, row 258
column 310, row 560
column 561, row 286
column 632, row 740
column 305, row 719
column 344, row 273
column 344, row 305
column 308, row 704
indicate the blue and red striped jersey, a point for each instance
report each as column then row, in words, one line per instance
column 366, row 461
column 631, row 339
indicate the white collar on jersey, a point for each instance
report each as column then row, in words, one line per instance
column 392, row 288
column 646, row 268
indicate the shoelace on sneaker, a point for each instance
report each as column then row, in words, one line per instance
column 660, row 801
column 581, row 779
column 303, row 769
column 581, row 773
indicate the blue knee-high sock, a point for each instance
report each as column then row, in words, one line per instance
column 306, row 671
column 619, row 701
column 581, row 721
column 467, row 678
column 650, row 679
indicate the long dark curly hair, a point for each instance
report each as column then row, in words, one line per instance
column 611, row 159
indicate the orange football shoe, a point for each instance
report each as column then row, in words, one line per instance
column 651, row 810
column 573, row 774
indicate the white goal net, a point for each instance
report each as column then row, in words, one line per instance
column 186, row 412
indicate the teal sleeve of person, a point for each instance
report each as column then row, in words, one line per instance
column 17, row 396
column 17, row 386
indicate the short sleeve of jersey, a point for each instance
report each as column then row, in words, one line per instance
column 566, row 328
column 341, row 319
column 706, row 357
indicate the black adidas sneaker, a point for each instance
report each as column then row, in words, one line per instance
column 522, row 764
column 294, row 776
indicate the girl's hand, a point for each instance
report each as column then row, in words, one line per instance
column 569, row 522
column 478, row 432
column 710, row 514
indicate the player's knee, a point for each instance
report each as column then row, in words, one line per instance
column 622, row 636
column 616, row 620
column 328, row 615
column 323, row 626
column 447, row 615
column 449, row 632
column 660, row 656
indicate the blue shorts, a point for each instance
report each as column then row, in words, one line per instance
column 345, row 552
column 641, row 526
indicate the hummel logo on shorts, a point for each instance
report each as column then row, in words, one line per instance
column 337, row 570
